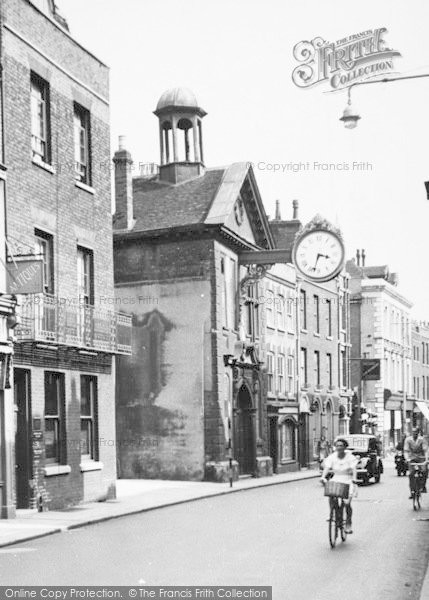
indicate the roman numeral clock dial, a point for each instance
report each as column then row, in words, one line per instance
column 318, row 254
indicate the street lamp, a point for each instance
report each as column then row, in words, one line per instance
column 350, row 117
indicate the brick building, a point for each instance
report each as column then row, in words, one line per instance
column 195, row 380
column 380, row 329
column 420, row 374
column 323, row 352
column 56, row 139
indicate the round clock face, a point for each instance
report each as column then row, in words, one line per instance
column 319, row 255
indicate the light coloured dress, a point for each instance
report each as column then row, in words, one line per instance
column 342, row 468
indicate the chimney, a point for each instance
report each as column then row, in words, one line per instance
column 358, row 258
column 295, row 205
column 124, row 216
column 278, row 216
column 363, row 257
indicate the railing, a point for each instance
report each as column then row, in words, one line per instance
column 46, row 318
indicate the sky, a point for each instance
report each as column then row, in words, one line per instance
column 237, row 57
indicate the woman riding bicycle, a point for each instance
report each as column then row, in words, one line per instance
column 342, row 464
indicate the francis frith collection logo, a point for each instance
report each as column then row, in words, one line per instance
column 344, row 62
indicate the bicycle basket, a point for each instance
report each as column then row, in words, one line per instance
column 337, row 489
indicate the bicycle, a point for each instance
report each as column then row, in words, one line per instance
column 417, row 480
column 337, row 493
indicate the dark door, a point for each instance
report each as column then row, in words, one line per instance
column 245, row 450
column 23, row 452
column 274, row 442
column 303, row 440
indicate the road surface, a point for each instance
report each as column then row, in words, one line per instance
column 267, row 536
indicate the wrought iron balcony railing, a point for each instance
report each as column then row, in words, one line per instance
column 46, row 318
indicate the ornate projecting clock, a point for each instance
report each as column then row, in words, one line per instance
column 318, row 253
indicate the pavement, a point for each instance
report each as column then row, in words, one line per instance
column 133, row 496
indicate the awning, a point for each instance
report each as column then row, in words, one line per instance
column 424, row 409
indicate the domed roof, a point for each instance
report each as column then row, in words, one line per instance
column 178, row 97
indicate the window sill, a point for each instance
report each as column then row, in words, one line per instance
column 84, row 187
column 91, row 465
column 2, row 166
column 304, row 331
column 316, row 334
column 43, row 165
column 52, row 470
column 329, row 337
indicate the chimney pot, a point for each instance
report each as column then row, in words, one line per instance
column 295, row 205
column 358, row 258
column 363, row 258
column 122, row 142
column 278, row 215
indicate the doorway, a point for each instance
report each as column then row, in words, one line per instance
column 23, row 448
column 303, row 439
column 244, row 443
column 274, row 441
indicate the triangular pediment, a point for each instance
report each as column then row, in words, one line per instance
column 238, row 206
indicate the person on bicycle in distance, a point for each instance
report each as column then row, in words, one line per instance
column 342, row 464
column 416, row 451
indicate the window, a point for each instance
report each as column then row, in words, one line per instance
column 270, row 308
column 252, row 312
column 343, row 313
column 303, row 366
column 280, row 305
column 40, row 127
column 329, row 316
column 44, row 247
column 290, row 377
column 343, row 369
column 317, row 367
column 232, row 294
column 85, row 276
column 55, row 418
column 270, row 372
column 223, row 291
column 229, row 291
column 82, row 144
column 316, row 314
column 287, row 441
column 281, row 374
column 329, row 368
column 289, row 314
column 423, row 387
column 88, row 417
column 303, row 309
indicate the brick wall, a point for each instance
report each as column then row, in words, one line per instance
column 50, row 200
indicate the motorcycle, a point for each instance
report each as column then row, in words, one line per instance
column 400, row 464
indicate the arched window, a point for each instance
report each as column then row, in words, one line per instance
column 287, row 440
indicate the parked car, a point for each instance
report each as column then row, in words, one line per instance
column 366, row 448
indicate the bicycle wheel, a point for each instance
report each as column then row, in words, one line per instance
column 416, row 500
column 342, row 521
column 333, row 530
